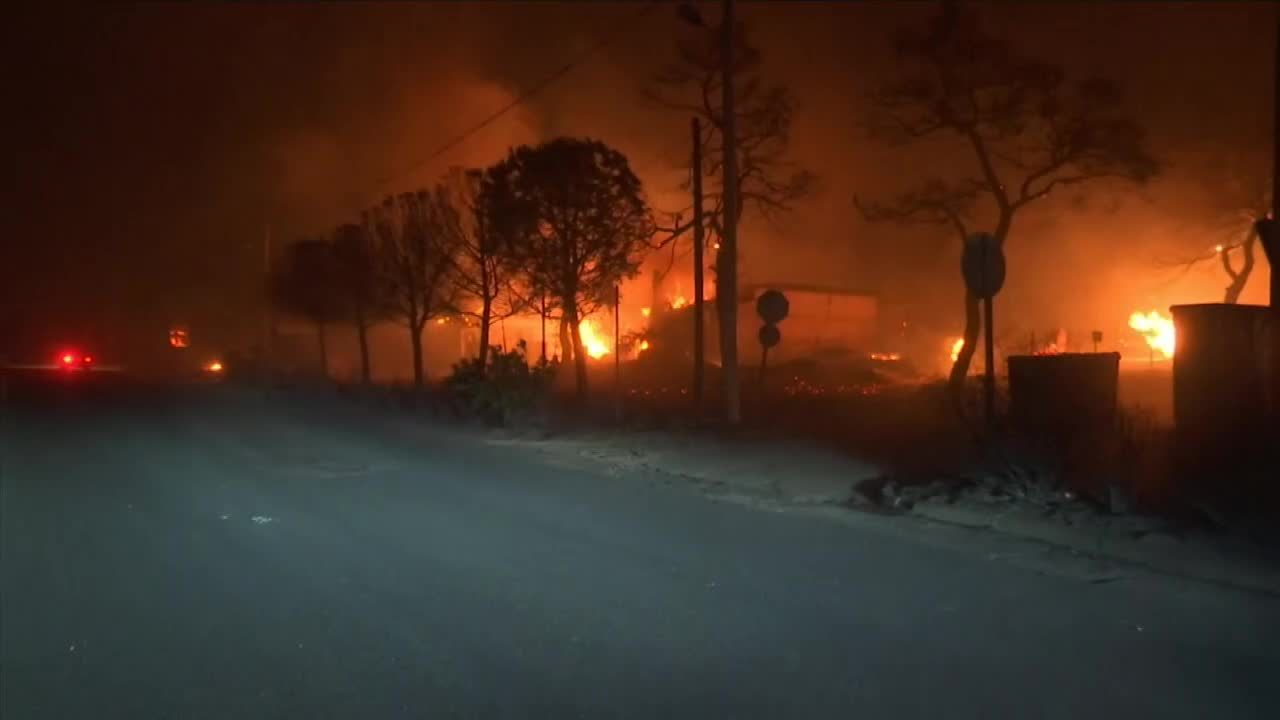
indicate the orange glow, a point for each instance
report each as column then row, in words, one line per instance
column 593, row 341
column 178, row 338
column 646, row 311
column 1057, row 347
column 956, row 346
column 441, row 320
column 214, row 367
column 1157, row 329
column 886, row 357
column 644, row 345
column 678, row 302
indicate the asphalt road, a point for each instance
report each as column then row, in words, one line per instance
column 207, row 555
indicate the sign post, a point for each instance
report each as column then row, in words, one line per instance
column 983, row 267
column 772, row 307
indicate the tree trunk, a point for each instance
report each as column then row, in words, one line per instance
column 486, row 319
column 1239, row 278
column 324, row 349
column 362, row 336
column 972, row 328
column 727, row 321
column 415, row 341
column 566, row 344
column 579, row 354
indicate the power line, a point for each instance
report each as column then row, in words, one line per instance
column 615, row 33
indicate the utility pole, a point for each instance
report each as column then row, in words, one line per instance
column 268, row 321
column 727, row 263
column 699, row 343
column 617, row 353
column 543, row 309
column 1271, row 245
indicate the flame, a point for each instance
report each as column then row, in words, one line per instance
column 956, row 346
column 213, row 367
column 678, row 302
column 1157, row 329
column 644, row 345
column 886, row 357
column 646, row 311
column 593, row 341
column 1057, row 347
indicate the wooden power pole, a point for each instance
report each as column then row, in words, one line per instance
column 699, row 329
column 727, row 263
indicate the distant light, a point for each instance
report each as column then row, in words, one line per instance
column 214, row 367
column 68, row 359
column 88, row 359
column 1217, row 248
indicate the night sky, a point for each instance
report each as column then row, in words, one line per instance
column 156, row 142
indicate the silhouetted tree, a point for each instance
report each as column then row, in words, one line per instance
column 305, row 284
column 483, row 263
column 414, row 249
column 1242, row 195
column 1028, row 130
column 358, row 286
column 766, row 180
column 575, row 220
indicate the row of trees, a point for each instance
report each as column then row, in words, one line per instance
column 552, row 229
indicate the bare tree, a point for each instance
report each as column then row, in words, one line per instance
column 482, row 264
column 1242, row 200
column 415, row 255
column 574, row 218
column 1028, row 131
column 765, row 179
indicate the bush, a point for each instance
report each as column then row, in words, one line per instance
column 507, row 389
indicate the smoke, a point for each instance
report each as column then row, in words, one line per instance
column 203, row 124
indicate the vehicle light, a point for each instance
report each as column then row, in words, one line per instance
column 68, row 359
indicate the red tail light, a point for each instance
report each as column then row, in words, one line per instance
column 68, row 359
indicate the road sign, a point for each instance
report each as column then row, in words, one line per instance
column 772, row 306
column 770, row 336
column 982, row 265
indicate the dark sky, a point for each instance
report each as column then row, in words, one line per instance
column 155, row 142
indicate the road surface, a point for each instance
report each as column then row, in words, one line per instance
column 204, row 554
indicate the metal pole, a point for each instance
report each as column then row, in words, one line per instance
column 699, row 344
column 1273, row 257
column 990, row 400
column 727, row 280
column 268, row 319
column 617, row 355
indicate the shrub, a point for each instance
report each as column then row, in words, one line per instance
column 508, row 388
